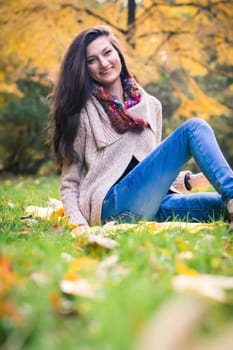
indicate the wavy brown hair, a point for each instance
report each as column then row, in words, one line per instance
column 73, row 89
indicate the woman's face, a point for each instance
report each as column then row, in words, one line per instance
column 103, row 61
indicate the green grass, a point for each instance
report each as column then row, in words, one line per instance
column 139, row 284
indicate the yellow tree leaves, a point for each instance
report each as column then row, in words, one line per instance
column 184, row 33
column 168, row 36
column 199, row 104
column 37, row 33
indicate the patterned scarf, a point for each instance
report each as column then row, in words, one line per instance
column 118, row 112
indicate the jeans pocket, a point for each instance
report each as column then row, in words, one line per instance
column 108, row 195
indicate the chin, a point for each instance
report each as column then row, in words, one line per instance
column 109, row 82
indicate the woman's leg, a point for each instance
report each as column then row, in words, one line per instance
column 193, row 207
column 142, row 191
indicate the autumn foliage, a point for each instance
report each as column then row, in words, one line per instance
column 182, row 49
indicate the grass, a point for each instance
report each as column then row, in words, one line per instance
column 36, row 314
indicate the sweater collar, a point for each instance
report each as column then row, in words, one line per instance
column 100, row 124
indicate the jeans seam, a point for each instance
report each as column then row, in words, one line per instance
column 208, row 163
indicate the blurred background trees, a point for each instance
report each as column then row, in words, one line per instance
column 179, row 50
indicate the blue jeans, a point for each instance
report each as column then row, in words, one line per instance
column 144, row 193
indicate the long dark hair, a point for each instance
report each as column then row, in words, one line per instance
column 72, row 90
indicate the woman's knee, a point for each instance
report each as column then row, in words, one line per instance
column 199, row 125
column 196, row 123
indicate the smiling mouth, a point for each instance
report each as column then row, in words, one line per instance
column 106, row 71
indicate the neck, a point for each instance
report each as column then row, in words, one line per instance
column 117, row 90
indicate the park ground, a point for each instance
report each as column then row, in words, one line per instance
column 132, row 288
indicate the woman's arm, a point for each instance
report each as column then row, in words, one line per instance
column 70, row 194
column 70, row 181
column 186, row 181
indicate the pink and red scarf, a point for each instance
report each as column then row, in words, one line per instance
column 118, row 113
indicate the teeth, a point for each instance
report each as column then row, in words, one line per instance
column 106, row 71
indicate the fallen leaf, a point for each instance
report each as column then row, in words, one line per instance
column 109, row 267
column 183, row 269
column 7, row 182
column 8, row 277
column 66, row 257
column 90, row 239
column 25, row 231
column 62, row 306
column 58, row 229
column 11, row 205
column 39, row 278
column 165, row 251
column 9, row 280
column 81, row 287
column 28, row 220
column 104, row 242
column 8, row 309
column 171, row 326
column 209, row 286
column 80, row 268
column 185, row 255
column 54, row 210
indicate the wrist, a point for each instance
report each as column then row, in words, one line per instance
column 187, row 181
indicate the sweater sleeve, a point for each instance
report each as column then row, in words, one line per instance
column 70, row 194
column 157, row 119
column 159, row 123
column 70, row 182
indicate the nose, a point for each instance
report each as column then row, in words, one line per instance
column 103, row 61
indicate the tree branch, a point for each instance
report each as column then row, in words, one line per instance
column 95, row 15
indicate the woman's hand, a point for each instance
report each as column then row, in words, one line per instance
column 199, row 181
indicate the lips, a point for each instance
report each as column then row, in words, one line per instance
column 106, row 71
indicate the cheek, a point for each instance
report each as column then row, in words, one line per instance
column 92, row 71
column 119, row 63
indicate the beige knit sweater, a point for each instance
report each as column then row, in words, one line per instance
column 104, row 155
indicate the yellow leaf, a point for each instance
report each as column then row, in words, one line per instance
column 183, row 269
column 54, row 210
column 207, row 285
column 8, row 277
column 80, row 267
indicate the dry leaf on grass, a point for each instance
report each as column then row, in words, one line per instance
column 174, row 325
column 90, row 239
column 39, row 278
column 85, row 276
column 183, row 269
column 170, row 328
column 66, row 257
column 104, row 242
column 80, row 278
column 110, row 267
column 28, row 220
column 185, row 255
column 9, row 280
column 209, row 286
column 11, row 205
column 62, row 306
column 8, row 277
column 26, row 231
column 54, row 210
column 81, row 287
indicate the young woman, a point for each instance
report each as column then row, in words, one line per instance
column 107, row 140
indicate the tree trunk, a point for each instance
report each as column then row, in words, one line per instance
column 131, row 23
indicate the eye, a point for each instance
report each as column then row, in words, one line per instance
column 107, row 52
column 90, row 60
